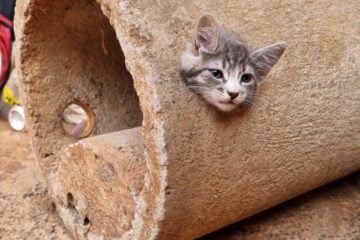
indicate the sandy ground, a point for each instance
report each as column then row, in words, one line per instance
column 26, row 212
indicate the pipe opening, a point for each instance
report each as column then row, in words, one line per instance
column 81, row 62
column 81, row 88
column 78, row 120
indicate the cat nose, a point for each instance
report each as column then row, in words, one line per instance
column 233, row 95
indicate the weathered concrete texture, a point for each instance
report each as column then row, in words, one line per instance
column 98, row 184
column 77, row 59
column 331, row 212
column 204, row 169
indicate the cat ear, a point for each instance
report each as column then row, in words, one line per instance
column 263, row 59
column 207, row 34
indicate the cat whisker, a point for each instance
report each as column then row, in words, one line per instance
column 261, row 103
column 198, row 90
column 256, row 103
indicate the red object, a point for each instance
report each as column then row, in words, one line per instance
column 5, row 48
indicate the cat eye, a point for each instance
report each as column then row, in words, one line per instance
column 216, row 73
column 246, row 78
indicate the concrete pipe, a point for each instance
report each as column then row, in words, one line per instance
column 113, row 65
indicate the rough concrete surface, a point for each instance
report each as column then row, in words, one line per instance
column 26, row 211
column 331, row 212
column 106, row 175
column 204, row 170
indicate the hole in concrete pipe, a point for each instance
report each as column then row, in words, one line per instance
column 78, row 120
column 70, row 201
column 86, row 221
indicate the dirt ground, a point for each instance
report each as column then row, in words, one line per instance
column 26, row 212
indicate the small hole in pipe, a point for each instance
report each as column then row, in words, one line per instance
column 78, row 120
column 70, row 201
column 86, row 221
column 52, row 207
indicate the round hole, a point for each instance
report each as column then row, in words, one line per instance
column 86, row 221
column 78, row 120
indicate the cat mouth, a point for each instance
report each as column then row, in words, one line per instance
column 227, row 102
column 226, row 106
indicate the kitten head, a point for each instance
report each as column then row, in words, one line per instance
column 222, row 68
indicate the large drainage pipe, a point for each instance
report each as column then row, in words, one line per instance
column 159, row 163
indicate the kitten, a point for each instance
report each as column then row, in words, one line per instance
column 222, row 68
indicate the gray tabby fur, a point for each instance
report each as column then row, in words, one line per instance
column 222, row 68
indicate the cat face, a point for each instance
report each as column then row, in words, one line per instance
column 225, row 80
column 222, row 69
